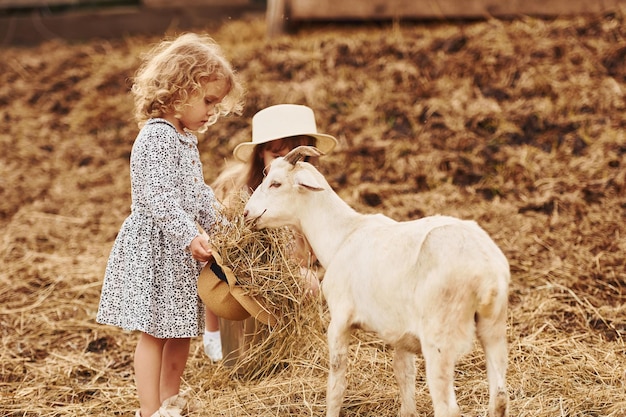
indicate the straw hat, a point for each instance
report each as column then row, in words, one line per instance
column 282, row 121
column 227, row 300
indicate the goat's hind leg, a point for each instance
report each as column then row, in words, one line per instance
column 440, row 361
column 491, row 333
column 338, row 343
column 404, row 369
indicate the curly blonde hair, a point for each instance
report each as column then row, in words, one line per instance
column 174, row 71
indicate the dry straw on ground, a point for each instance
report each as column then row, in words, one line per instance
column 520, row 125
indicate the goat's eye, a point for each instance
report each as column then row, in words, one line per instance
column 275, row 184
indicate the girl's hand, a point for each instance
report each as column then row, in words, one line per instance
column 311, row 282
column 201, row 249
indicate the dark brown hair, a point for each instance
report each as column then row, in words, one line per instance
column 255, row 173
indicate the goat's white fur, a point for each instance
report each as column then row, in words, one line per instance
column 426, row 285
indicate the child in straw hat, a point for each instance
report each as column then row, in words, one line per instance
column 150, row 283
column 275, row 131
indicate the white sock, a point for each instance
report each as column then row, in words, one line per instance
column 211, row 335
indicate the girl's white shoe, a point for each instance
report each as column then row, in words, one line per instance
column 173, row 406
column 156, row 414
column 212, row 345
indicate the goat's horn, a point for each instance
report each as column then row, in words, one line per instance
column 300, row 152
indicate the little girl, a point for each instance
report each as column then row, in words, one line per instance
column 150, row 282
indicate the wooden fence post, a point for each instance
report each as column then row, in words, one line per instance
column 276, row 17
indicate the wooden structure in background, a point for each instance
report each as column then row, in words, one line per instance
column 34, row 21
column 39, row 20
column 194, row 3
column 30, row 4
column 281, row 13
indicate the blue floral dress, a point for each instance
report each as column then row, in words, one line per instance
column 150, row 282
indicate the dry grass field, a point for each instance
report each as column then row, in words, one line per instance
column 520, row 125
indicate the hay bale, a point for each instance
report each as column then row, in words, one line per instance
column 263, row 264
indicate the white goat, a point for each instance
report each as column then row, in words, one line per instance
column 423, row 286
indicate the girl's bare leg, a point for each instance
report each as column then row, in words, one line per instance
column 148, row 357
column 174, row 359
column 211, row 323
column 212, row 338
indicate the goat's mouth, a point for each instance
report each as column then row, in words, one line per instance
column 253, row 221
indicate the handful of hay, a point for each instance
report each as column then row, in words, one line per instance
column 263, row 264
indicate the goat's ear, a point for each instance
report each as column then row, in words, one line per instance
column 306, row 179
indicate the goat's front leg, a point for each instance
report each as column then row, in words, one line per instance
column 404, row 369
column 338, row 343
